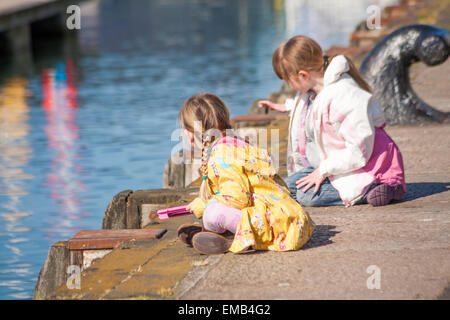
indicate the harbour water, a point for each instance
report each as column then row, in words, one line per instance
column 93, row 115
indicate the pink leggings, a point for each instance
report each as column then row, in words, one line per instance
column 218, row 218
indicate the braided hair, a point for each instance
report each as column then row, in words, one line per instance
column 213, row 115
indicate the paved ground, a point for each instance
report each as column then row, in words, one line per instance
column 432, row 84
column 407, row 242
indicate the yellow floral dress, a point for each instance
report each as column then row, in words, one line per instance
column 241, row 176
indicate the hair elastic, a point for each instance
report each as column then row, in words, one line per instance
column 325, row 62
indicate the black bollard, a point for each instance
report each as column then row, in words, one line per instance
column 386, row 68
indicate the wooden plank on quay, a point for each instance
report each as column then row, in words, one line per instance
column 108, row 239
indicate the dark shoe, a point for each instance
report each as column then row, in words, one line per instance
column 210, row 243
column 187, row 231
column 382, row 194
column 228, row 234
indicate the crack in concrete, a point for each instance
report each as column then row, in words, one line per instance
column 195, row 275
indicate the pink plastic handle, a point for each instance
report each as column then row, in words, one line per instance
column 173, row 212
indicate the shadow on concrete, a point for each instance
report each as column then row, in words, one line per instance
column 321, row 236
column 445, row 295
column 423, row 189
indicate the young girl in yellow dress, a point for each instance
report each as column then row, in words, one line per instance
column 240, row 192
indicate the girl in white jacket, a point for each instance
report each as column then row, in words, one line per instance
column 336, row 140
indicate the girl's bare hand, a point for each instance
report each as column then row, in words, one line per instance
column 265, row 103
column 188, row 207
column 314, row 178
column 272, row 105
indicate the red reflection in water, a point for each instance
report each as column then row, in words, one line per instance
column 60, row 105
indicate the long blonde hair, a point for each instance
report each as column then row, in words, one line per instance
column 303, row 53
column 209, row 110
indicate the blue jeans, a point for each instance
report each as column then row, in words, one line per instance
column 326, row 196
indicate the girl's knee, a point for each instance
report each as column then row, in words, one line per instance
column 309, row 203
column 218, row 218
column 210, row 219
column 292, row 186
column 308, row 199
column 324, row 199
column 291, row 181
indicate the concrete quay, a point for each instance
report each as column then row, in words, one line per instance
column 408, row 241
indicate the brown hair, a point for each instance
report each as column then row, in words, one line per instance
column 209, row 110
column 303, row 53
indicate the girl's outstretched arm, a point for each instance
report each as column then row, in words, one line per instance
column 275, row 106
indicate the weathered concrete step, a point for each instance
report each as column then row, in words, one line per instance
column 131, row 209
column 138, row 269
column 157, row 278
column 65, row 257
column 88, row 246
column 127, row 210
column 113, row 269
